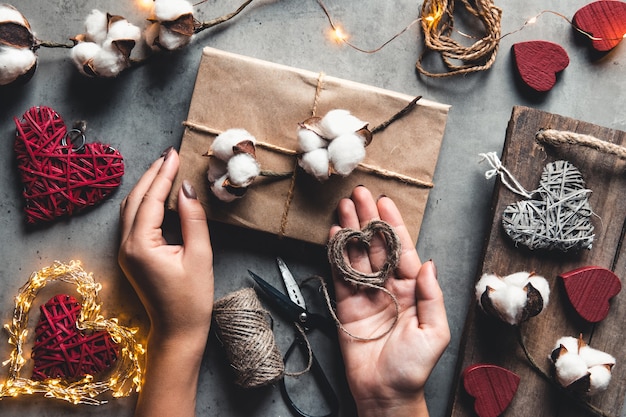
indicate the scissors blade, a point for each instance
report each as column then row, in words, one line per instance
column 290, row 309
column 293, row 289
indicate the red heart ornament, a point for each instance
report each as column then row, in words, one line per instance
column 589, row 289
column 58, row 179
column 492, row 387
column 538, row 62
column 605, row 21
column 61, row 350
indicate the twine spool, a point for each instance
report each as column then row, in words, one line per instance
column 243, row 326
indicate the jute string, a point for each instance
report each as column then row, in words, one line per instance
column 243, row 326
column 438, row 24
column 337, row 256
column 562, row 137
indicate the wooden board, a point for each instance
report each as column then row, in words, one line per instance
column 486, row 340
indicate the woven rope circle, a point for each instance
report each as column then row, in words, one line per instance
column 243, row 326
column 561, row 216
column 58, row 179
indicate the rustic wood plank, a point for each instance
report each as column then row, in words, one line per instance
column 488, row 341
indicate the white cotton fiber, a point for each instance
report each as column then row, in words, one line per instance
column 242, row 169
column 217, row 168
column 541, row 285
column 346, row 152
column 167, row 10
column 220, row 192
column 123, row 29
column 599, row 379
column 108, row 62
column 595, row 357
column 316, row 163
column 171, row 40
column 509, row 301
column 487, row 280
column 9, row 13
column 96, row 26
column 569, row 368
column 570, row 343
column 309, row 140
column 15, row 62
column 222, row 146
column 338, row 122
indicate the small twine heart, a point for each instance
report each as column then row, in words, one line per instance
column 559, row 218
column 339, row 242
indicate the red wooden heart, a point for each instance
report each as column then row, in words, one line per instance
column 538, row 62
column 492, row 387
column 604, row 20
column 589, row 289
column 61, row 350
column 57, row 179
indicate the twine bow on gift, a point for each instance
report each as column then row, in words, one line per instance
column 292, row 175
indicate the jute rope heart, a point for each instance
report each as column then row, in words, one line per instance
column 337, row 256
column 58, row 178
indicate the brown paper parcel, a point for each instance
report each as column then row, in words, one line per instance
column 269, row 100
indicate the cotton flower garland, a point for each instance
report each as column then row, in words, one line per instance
column 17, row 45
column 109, row 43
column 331, row 144
column 514, row 298
column 104, row 49
column 580, row 367
column 233, row 165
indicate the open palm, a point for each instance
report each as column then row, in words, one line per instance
column 387, row 374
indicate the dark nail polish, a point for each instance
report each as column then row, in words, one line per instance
column 166, row 152
column 381, row 196
column 189, row 191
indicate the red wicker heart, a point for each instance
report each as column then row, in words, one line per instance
column 61, row 350
column 59, row 180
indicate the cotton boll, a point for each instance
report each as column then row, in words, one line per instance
column 171, row 40
column 316, row 163
column 570, row 343
column 96, row 26
column 220, row 192
column 346, row 152
column 509, row 302
column 166, row 10
column 309, row 140
column 487, row 280
column 82, row 54
column 541, row 285
column 108, row 62
column 121, row 28
column 569, row 368
column 15, row 63
column 594, row 357
column 217, row 169
column 222, row 146
column 338, row 122
column 599, row 379
column 243, row 169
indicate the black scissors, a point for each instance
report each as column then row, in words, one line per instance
column 293, row 307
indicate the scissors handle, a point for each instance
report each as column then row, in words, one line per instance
column 322, row 382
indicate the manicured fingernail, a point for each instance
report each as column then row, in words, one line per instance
column 189, row 191
column 381, row 196
column 166, row 152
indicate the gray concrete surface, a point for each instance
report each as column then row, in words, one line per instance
column 141, row 112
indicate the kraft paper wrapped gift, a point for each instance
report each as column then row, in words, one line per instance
column 269, row 100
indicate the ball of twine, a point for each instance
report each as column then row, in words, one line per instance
column 243, row 326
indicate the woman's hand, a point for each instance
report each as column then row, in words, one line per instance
column 387, row 375
column 174, row 283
